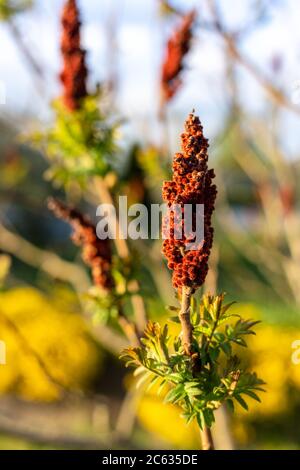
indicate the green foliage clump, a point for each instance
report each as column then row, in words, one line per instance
column 80, row 144
column 105, row 306
column 154, row 166
column 200, row 383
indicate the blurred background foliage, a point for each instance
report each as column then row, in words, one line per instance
column 61, row 363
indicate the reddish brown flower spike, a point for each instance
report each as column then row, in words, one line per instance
column 191, row 184
column 74, row 73
column 177, row 48
column 96, row 253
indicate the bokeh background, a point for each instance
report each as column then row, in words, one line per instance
column 63, row 385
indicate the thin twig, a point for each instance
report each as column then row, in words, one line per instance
column 127, row 415
column 65, row 271
column 39, row 436
column 274, row 92
column 124, row 254
column 30, row 59
column 129, row 328
column 106, row 198
column 47, row 261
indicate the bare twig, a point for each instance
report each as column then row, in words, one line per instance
column 58, row 268
column 19, row 40
column 127, row 415
column 274, row 92
column 39, row 436
column 124, row 254
column 51, row 424
column 48, row 262
column 107, row 337
column 129, row 329
column 106, row 198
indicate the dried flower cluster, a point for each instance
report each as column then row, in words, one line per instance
column 96, row 253
column 177, row 48
column 191, row 184
column 74, row 72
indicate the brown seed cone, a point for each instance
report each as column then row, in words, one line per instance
column 96, row 253
column 191, row 184
column 74, row 73
column 177, row 48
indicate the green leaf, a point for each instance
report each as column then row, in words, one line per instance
column 192, row 389
column 230, row 405
column 220, row 337
column 174, row 320
column 253, row 395
column 226, row 307
column 171, row 308
column 226, row 347
column 193, row 303
column 208, row 417
column 188, row 416
column 175, row 394
column 189, row 385
column 161, row 387
column 200, row 420
column 175, row 377
column 214, row 353
column 241, row 401
column 240, row 342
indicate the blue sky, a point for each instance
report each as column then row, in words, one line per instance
column 141, row 34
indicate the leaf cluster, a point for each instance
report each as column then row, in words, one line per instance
column 152, row 162
column 212, row 375
column 80, row 144
column 105, row 305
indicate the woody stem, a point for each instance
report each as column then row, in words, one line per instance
column 207, row 440
column 187, row 339
column 185, row 319
column 129, row 328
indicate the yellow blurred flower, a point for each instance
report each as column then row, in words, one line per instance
column 163, row 420
column 45, row 344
